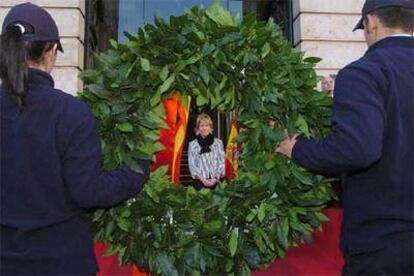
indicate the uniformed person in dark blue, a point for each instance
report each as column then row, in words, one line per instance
column 50, row 158
column 371, row 144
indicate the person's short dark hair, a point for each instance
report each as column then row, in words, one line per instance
column 332, row 76
column 396, row 17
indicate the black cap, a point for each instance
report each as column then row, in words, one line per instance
column 43, row 27
column 372, row 5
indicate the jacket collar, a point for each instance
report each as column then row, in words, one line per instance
column 39, row 77
column 393, row 41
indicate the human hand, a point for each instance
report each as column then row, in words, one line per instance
column 286, row 146
column 206, row 182
column 210, row 182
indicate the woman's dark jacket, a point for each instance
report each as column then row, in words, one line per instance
column 50, row 176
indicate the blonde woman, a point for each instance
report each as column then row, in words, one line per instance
column 205, row 155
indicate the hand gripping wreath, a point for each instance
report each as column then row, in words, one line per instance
column 226, row 65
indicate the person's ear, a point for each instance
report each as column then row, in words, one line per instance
column 50, row 54
column 50, row 58
column 371, row 23
column 54, row 48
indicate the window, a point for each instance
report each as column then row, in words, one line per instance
column 109, row 19
column 279, row 10
column 135, row 13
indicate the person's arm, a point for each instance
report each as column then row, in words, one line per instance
column 220, row 163
column 358, row 122
column 194, row 162
column 88, row 185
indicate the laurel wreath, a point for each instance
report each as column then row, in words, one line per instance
column 224, row 64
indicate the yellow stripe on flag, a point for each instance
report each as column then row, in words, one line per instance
column 232, row 152
column 183, row 110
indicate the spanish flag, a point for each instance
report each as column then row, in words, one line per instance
column 232, row 152
column 173, row 138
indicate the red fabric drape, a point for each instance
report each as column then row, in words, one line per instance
column 320, row 257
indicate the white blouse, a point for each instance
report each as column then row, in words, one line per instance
column 207, row 165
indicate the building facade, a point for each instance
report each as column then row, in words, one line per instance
column 70, row 18
column 321, row 28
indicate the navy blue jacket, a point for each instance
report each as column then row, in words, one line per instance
column 50, row 176
column 371, row 146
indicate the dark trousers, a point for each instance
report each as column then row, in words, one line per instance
column 394, row 259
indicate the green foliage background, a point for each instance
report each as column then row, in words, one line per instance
column 246, row 67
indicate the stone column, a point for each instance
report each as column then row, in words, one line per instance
column 70, row 18
column 323, row 28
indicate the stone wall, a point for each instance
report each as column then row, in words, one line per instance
column 70, row 18
column 323, row 28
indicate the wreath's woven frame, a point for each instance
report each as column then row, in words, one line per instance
column 223, row 64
